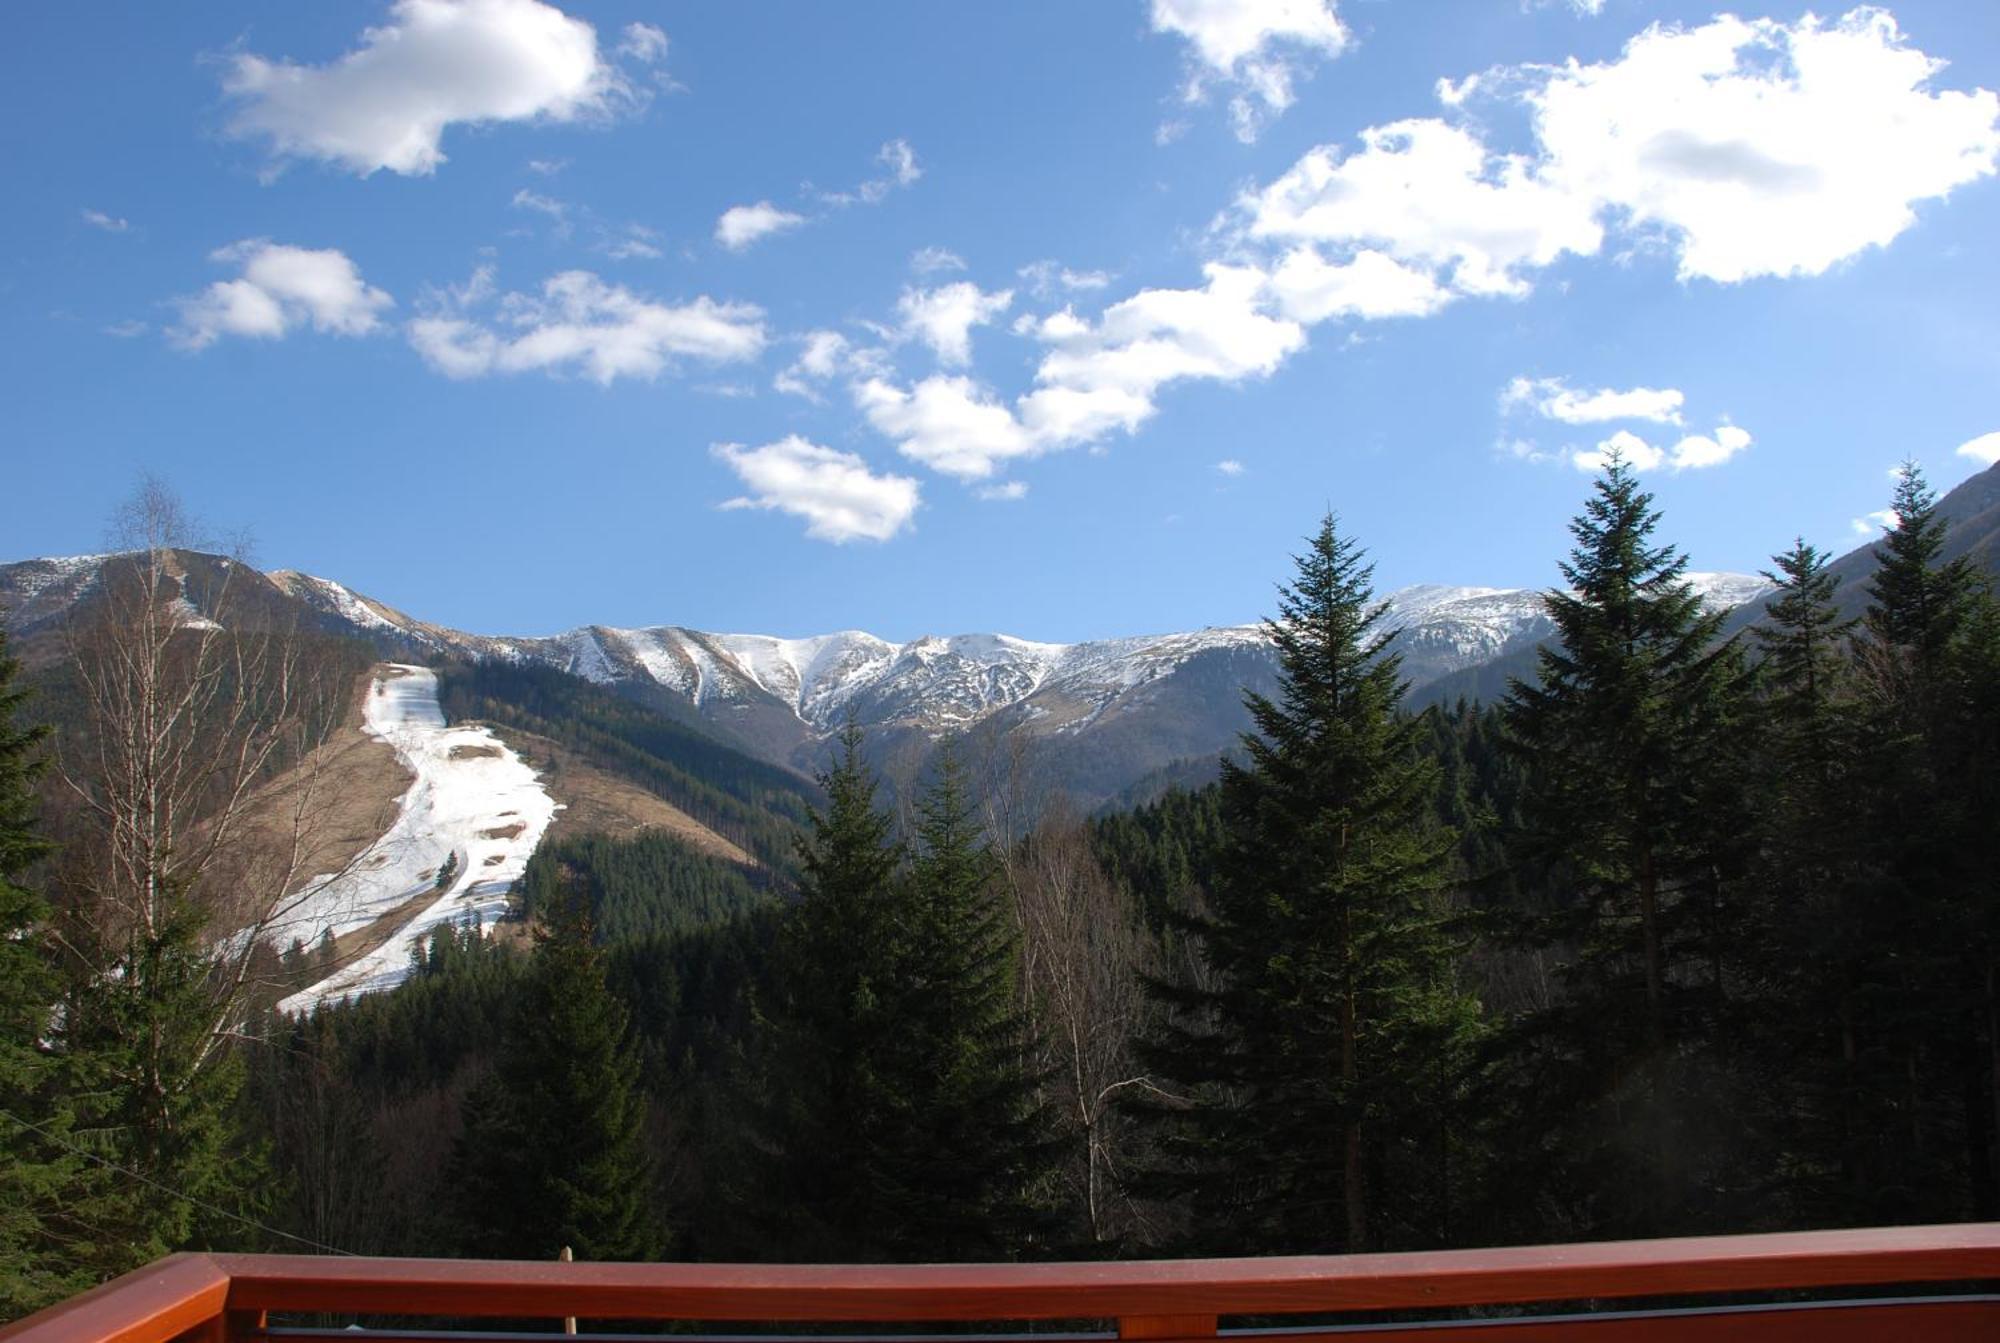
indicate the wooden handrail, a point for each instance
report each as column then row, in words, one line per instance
column 163, row 1300
column 1151, row 1299
column 1155, row 1287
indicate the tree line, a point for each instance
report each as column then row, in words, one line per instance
column 1686, row 934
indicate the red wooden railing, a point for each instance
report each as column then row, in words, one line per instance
column 225, row 1298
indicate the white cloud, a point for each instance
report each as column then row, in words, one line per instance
column 1554, row 399
column 280, row 288
column 826, row 355
column 1636, row 452
column 1101, row 378
column 643, row 43
column 742, row 225
column 946, row 422
column 1096, row 379
column 1747, row 149
column 835, row 492
column 127, row 329
column 943, row 318
column 1762, row 148
column 901, row 161
column 903, row 170
column 525, row 199
column 635, row 241
column 547, row 167
column 1692, row 453
column 1371, row 285
column 1229, row 466
column 931, row 260
column 1985, row 449
column 1258, row 48
column 1012, row 491
column 1881, row 520
column 1696, row 451
column 109, row 223
column 1431, row 196
column 605, row 331
column 434, row 64
column 1046, row 278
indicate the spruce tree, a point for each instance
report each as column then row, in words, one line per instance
column 1321, row 1043
column 554, row 1150
column 820, row 1091
column 967, row 1178
column 154, row 1089
column 1922, row 1085
column 1804, row 640
column 1634, row 736
column 37, row 1172
column 1805, row 939
column 1919, row 600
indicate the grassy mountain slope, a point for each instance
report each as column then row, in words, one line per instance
column 755, row 805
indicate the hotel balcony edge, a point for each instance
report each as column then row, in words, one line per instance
column 1868, row 1284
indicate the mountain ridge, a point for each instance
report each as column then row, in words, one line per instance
column 1103, row 712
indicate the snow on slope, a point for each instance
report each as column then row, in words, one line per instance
column 816, row 675
column 1720, row 592
column 473, row 798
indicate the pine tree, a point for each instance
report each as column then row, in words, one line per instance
column 821, row 1101
column 965, row 1180
column 37, row 1172
column 554, row 1151
column 1634, row 736
column 1321, row 1047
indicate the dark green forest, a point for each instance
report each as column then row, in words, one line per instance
column 1684, row 933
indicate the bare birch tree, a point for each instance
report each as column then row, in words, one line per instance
column 191, row 697
column 1084, row 955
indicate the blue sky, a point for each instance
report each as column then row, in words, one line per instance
column 1064, row 320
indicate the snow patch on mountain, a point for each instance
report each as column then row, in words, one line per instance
column 30, row 578
column 336, row 599
column 473, row 801
column 1722, row 592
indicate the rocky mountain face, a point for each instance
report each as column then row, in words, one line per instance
column 1100, row 716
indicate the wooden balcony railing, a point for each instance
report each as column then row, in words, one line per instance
column 1874, row 1278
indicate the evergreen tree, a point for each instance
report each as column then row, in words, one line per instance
column 155, row 1090
column 1805, row 671
column 1920, row 600
column 821, row 1100
column 37, row 1173
column 1321, row 1045
column 1921, row 1085
column 1805, row 940
column 554, row 1149
column 966, row 1179
column 1635, row 739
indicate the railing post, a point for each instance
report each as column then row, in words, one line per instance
column 569, row 1321
column 1166, row 1326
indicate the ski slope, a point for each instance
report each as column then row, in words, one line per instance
column 472, row 797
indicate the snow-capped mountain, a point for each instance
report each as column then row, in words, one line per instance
column 1118, row 708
